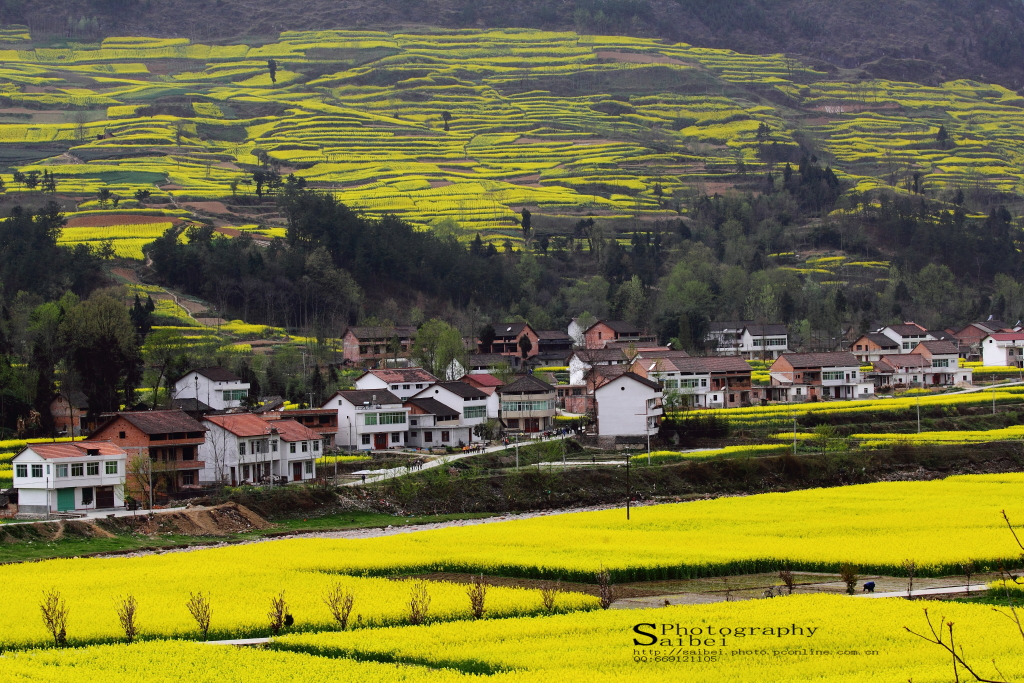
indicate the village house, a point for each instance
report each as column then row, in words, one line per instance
column 871, row 347
column 712, row 382
column 583, row 360
column 372, row 419
column 169, row 438
column 247, row 448
column 628, row 406
column 527, row 405
column 487, row 363
column 433, row 424
column 323, row 421
column 369, row 345
column 971, row 337
column 748, row 339
column 488, row 384
column 553, row 344
column 469, row 402
column 508, row 340
column 797, row 377
column 1003, row 349
column 402, row 382
column 603, row 331
column 64, row 477
column 217, row 388
column 944, row 357
column 70, row 413
column 907, row 336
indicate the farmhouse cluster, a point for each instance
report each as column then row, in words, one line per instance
column 608, row 375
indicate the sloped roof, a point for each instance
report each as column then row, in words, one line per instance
column 910, row 360
column 636, row 378
column 911, row 329
column 360, row 396
column 477, row 360
column 941, row 347
column 881, row 340
column 708, row 364
column 214, row 374
column 601, row 355
column 78, row 449
column 769, row 329
column 1007, row 336
column 434, row 407
column 462, row 389
column 821, row 360
column 508, row 329
column 942, row 335
column 242, row 424
column 483, row 379
column 730, row 325
column 190, row 405
column 526, row 384
column 382, row 332
column 290, row 430
column 662, row 353
column 553, row 335
column 160, row 421
column 620, row 326
column 400, row 375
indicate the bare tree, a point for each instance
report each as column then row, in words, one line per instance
column 604, row 587
column 968, row 568
column 199, row 607
column 548, row 596
column 477, row 596
column 278, row 614
column 126, row 615
column 55, row 616
column 848, row 573
column 910, row 567
column 340, row 602
column 788, row 579
column 419, row 603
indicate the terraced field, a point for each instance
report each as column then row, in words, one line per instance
column 473, row 125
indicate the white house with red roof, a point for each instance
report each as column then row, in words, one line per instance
column 1003, row 348
column 402, row 382
column 242, row 447
column 65, row 477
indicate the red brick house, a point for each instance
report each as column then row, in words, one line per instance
column 871, row 347
column 169, row 438
column 506, row 340
column 371, row 344
column 603, row 331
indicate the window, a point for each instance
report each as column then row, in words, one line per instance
column 414, row 422
column 396, row 437
column 87, row 495
column 62, row 470
column 366, row 439
column 316, row 446
column 703, row 382
column 305, row 446
column 525, row 406
column 406, row 386
column 235, row 394
column 915, row 378
column 308, row 467
column 241, row 448
column 473, row 412
column 906, row 346
column 672, row 383
column 688, row 383
column 273, row 445
column 940, row 362
column 120, row 435
column 799, row 391
column 370, row 419
column 188, row 478
column 257, row 447
column 392, row 418
column 428, row 437
column 291, row 447
column 445, row 437
column 732, row 398
column 22, row 470
column 110, row 467
column 831, row 375
column 77, row 469
column 858, row 347
column 92, row 468
column 37, row 470
column 419, row 386
column 394, row 387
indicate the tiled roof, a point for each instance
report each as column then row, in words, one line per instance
column 526, row 383
column 698, row 365
column 620, row 326
column 190, row 405
column 730, row 325
column 290, row 430
column 78, row 449
column 769, row 329
column 360, row 396
column 911, row 329
column 553, row 335
column 434, row 407
column 382, row 332
column 483, row 379
column 508, row 329
column 160, row 421
column 1007, row 336
column 478, row 360
column 637, row 378
column 242, row 424
column 601, row 355
column 910, row 360
column 830, row 359
column 461, row 389
column 215, row 374
column 662, row 353
column 399, row 375
column 942, row 335
column 881, row 340
column 941, row 347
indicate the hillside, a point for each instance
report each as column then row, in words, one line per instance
column 920, row 40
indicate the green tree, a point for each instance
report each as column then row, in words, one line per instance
column 272, row 67
column 437, row 344
column 525, row 346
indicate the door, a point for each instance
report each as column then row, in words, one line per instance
column 65, row 500
column 296, row 471
column 380, row 441
column 105, row 497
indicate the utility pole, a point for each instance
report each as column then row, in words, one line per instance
column 794, row 433
column 918, row 414
column 628, row 490
column 517, row 450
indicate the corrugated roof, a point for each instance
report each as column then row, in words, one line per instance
column 242, row 424
column 526, row 383
column 78, row 449
column 399, row 375
column 830, row 359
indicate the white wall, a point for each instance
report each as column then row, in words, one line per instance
column 403, row 390
column 996, row 354
column 211, row 393
column 622, row 408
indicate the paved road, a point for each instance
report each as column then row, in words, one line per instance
column 977, row 588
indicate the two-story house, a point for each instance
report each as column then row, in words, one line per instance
column 748, row 339
column 242, row 447
column 712, row 382
column 322, row 421
column 508, row 340
column 527, row 405
column 603, row 331
column 402, row 382
column 970, row 337
column 372, row 419
column 582, row 360
column 944, row 357
column 433, row 424
column 870, row 347
column 488, row 384
column 907, row 336
column 805, row 376
column 1003, row 349
column 169, row 438
column 629, row 405
column 70, row 413
column 468, row 401
column 370, row 345
column 215, row 387
column 63, row 477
